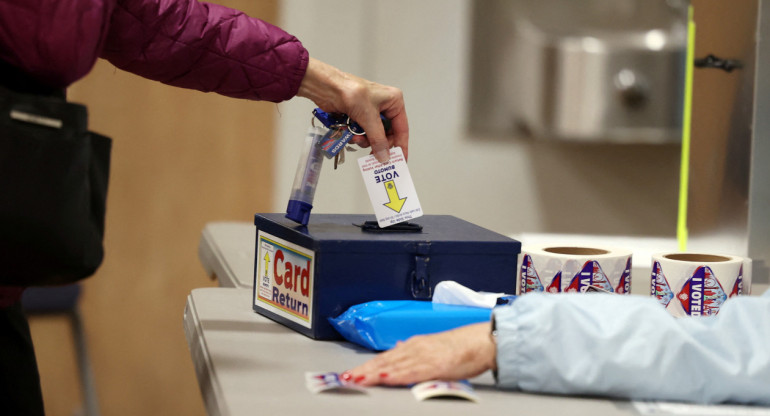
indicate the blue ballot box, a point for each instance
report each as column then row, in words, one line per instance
column 304, row 275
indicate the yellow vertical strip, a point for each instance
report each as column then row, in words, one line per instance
column 684, row 174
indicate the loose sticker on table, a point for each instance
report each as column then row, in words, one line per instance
column 284, row 279
column 436, row 389
column 390, row 188
column 330, row 382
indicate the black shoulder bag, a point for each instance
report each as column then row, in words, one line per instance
column 53, row 190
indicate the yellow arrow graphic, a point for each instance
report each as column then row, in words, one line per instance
column 395, row 203
column 267, row 262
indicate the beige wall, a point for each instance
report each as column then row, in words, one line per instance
column 180, row 159
column 509, row 184
column 726, row 30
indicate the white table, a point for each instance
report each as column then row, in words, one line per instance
column 249, row 365
column 226, row 250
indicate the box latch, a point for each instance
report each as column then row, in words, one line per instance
column 421, row 288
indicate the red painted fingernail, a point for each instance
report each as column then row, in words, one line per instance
column 383, row 375
column 359, row 379
column 346, row 376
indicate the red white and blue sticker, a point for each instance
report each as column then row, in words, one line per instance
column 330, row 382
column 624, row 284
column 659, row 287
column 590, row 275
column 555, row 285
column 738, row 285
column 530, row 281
column 702, row 294
column 439, row 389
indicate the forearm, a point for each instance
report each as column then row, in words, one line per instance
column 207, row 47
column 323, row 84
column 631, row 347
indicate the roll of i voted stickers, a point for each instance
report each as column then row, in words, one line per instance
column 390, row 188
column 555, row 269
column 691, row 284
column 437, row 389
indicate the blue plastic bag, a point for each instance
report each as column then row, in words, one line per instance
column 378, row 325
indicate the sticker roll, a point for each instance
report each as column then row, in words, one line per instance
column 555, row 269
column 698, row 284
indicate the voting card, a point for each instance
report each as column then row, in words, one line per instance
column 331, row 382
column 390, row 188
column 436, row 389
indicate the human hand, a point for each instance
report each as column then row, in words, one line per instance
column 335, row 91
column 453, row 355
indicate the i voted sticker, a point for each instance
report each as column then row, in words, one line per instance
column 390, row 188
column 330, row 382
column 437, row 389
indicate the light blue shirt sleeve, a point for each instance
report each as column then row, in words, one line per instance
column 631, row 347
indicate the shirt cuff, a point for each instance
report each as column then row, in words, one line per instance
column 508, row 340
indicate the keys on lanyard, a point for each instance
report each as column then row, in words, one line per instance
column 341, row 131
column 340, row 158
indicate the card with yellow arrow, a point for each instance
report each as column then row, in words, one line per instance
column 390, row 188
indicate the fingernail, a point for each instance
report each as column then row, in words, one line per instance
column 346, row 376
column 383, row 156
column 383, row 375
column 359, row 379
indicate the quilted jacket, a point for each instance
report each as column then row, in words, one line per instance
column 184, row 43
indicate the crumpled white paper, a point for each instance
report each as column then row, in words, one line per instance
column 452, row 293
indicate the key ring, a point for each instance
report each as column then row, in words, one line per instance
column 333, row 126
column 353, row 131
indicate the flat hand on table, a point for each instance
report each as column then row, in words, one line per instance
column 462, row 353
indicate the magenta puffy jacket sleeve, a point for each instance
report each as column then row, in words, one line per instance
column 206, row 47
